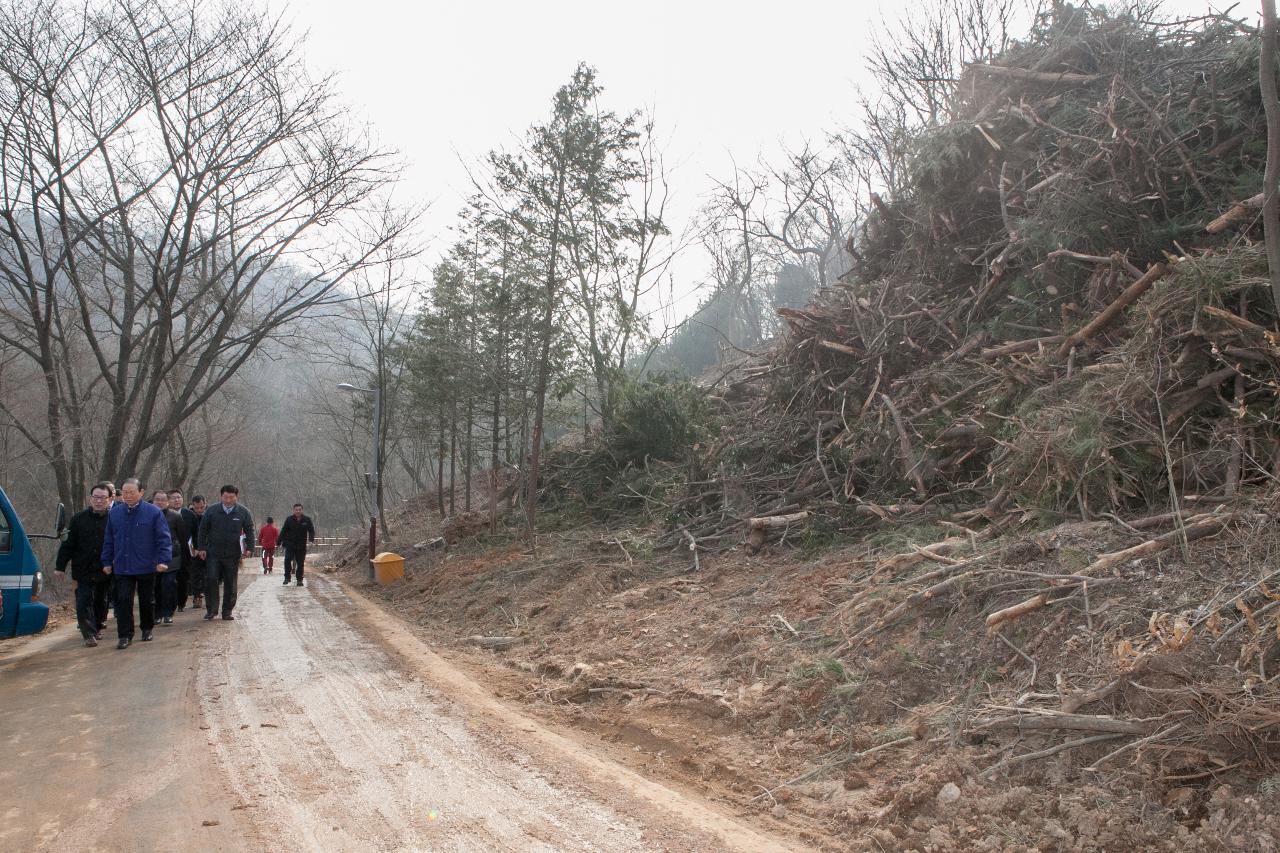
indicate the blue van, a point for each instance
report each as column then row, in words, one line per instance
column 21, row 611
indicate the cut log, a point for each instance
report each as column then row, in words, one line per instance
column 1196, row 527
column 1026, row 75
column 1035, row 602
column 1235, row 320
column 1112, row 311
column 1029, row 345
column 773, row 522
column 840, row 348
column 1238, row 212
column 1069, row 722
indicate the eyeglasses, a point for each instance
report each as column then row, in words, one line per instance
column 98, row 497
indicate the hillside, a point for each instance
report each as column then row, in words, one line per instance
column 979, row 554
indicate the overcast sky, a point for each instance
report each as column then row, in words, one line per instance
column 444, row 82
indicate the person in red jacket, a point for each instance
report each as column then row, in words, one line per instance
column 267, row 538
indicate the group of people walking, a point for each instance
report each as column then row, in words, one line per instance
column 293, row 536
column 161, row 552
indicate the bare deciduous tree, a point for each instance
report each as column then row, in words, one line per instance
column 175, row 190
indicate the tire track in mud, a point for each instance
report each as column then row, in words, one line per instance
column 329, row 746
column 681, row 820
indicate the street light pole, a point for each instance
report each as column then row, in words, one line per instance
column 373, row 475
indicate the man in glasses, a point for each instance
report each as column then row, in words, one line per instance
column 83, row 550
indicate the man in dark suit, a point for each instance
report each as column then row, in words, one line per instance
column 196, row 564
column 83, row 550
column 226, row 537
column 296, row 531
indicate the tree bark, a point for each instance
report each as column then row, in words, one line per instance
column 544, row 366
column 1271, row 104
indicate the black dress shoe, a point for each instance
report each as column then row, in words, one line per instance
column 124, row 642
column 146, row 636
column 229, row 617
column 208, row 616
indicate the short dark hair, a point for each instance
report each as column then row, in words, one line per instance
column 270, row 519
column 111, row 487
column 297, row 506
column 173, row 492
column 159, row 492
column 197, row 499
column 106, row 487
column 228, row 488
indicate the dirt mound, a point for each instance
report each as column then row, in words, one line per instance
column 1135, row 712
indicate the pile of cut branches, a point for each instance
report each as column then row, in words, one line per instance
column 1064, row 310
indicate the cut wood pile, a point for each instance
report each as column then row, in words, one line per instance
column 1064, row 308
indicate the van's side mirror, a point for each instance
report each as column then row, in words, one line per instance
column 61, row 523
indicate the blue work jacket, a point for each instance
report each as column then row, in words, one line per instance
column 137, row 539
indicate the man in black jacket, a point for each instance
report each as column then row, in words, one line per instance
column 226, row 537
column 296, row 531
column 167, row 583
column 181, row 553
column 83, row 550
column 195, row 565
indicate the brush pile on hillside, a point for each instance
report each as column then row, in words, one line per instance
column 1064, row 317
column 1065, row 310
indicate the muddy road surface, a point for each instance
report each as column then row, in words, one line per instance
column 310, row 722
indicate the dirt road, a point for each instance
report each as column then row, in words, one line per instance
column 306, row 724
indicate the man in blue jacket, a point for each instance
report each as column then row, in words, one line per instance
column 136, row 547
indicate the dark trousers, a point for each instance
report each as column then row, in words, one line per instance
column 184, row 582
column 91, row 606
column 221, row 576
column 196, row 571
column 168, row 583
column 144, row 586
column 294, row 560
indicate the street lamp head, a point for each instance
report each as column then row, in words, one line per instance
column 347, row 386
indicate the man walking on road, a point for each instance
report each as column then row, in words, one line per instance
column 267, row 537
column 226, row 537
column 181, row 550
column 135, row 547
column 167, row 597
column 83, row 550
column 294, row 535
column 196, row 564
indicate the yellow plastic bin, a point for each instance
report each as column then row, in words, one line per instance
column 388, row 568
